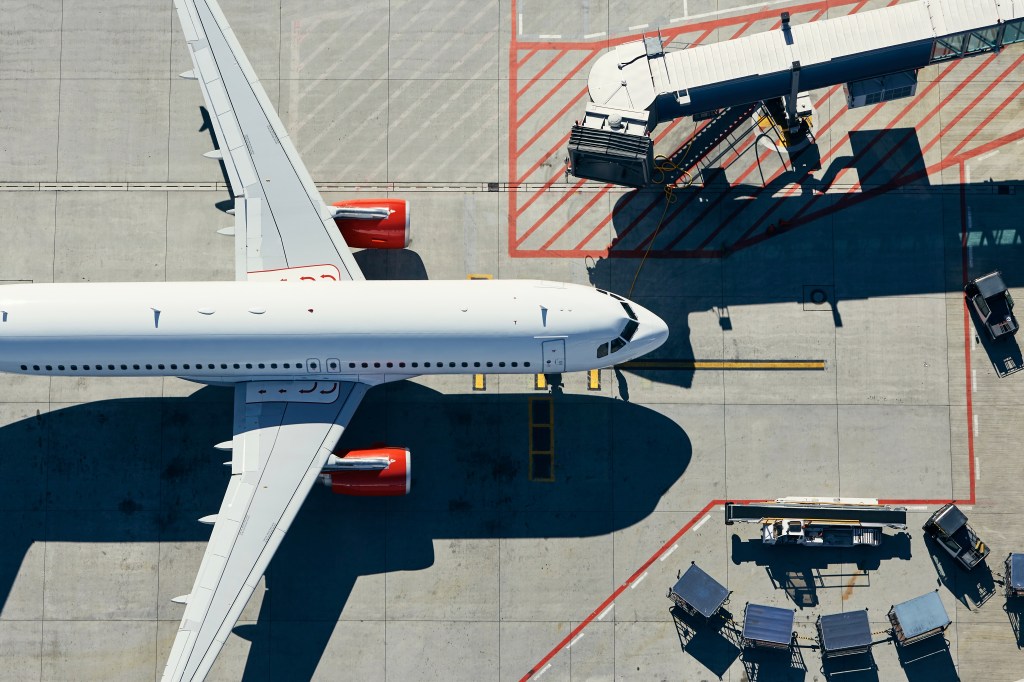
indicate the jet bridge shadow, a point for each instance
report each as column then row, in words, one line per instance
column 720, row 246
column 143, row 470
column 802, row 571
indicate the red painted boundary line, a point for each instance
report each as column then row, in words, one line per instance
column 713, row 503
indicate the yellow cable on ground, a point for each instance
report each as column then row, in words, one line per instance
column 663, row 165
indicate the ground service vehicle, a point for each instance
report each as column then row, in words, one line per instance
column 950, row 529
column 992, row 302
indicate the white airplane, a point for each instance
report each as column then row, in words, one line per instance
column 300, row 335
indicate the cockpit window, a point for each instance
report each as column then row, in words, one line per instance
column 602, row 291
column 630, row 330
column 617, row 345
column 629, row 310
column 617, row 297
column 602, row 350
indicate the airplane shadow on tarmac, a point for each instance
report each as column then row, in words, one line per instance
column 801, row 571
column 143, row 470
column 718, row 245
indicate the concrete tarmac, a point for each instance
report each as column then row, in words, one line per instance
column 485, row 572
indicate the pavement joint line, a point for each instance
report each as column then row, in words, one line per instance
column 669, row 552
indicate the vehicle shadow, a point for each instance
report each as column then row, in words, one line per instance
column 971, row 588
column 802, row 571
column 1014, row 608
column 928, row 661
column 143, row 470
column 712, row 642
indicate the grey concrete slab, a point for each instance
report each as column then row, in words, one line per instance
column 436, row 646
column 98, row 649
column 693, row 468
column 21, row 566
column 786, row 330
column 339, row 126
column 874, row 443
column 441, row 131
column 893, row 351
column 195, row 251
column 651, row 650
column 573, row 21
column 349, row 42
column 461, row 37
column 28, row 126
column 525, row 643
column 781, row 450
column 592, row 656
column 535, row 587
column 31, row 40
column 188, row 140
column 94, row 44
column 460, row 584
column 104, row 569
column 113, row 130
column 29, row 226
column 23, row 488
column 21, row 648
column 291, row 655
column 92, row 226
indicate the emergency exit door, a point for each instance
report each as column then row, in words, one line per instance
column 554, row 356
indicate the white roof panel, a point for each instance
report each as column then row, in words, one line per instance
column 956, row 16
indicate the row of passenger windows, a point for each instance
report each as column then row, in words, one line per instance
column 261, row 365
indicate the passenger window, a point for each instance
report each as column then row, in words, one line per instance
column 490, row 364
column 162, row 367
column 352, row 365
column 124, row 366
column 451, row 364
column 236, row 366
column 476, row 364
column 617, row 345
column 501, row 364
column 426, row 364
column 376, row 364
column 222, row 366
column 365, row 365
column 515, row 364
column 273, row 365
column 401, row 364
column 185, row 366
column 390, row 364
column 248, row 365
column 465, row 364
column 59, row 367
column 172, row 367
column 147, row 367
column 261, row 366
column 288, row 365
column 602, row 350
column 415, row 364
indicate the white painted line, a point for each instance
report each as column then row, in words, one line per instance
column 977, row 468
column 987, row 156
column 967, row 176
column 917, row 506
column 974, row 381
column 542, row 671
column 970, row 255
column 606, row 611
column 520, row 23
column 578, row 638
column 638, row 27
column 595, row 35
column 669, row 552
column 549, row 36
column 975, row 426
column 702, row 521
column 638, row 580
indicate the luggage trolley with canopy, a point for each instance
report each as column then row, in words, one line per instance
column 918, row 619
column 696, row 592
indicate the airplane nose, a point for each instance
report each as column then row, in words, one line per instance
column 653, row 331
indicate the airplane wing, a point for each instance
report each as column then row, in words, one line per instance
column 283, row 434
column 280, row 219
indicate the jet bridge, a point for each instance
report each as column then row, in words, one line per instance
column 876, row 54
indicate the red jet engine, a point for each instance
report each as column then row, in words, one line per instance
column 378, row 472
column 373, row 223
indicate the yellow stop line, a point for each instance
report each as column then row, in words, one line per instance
column 725, row 364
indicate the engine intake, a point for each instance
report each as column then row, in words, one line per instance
column 373, row 223
column 377, row 472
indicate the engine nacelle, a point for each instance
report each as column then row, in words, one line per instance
column 378, row 472
column 373, row 223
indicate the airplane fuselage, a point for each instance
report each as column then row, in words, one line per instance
column 371, row 331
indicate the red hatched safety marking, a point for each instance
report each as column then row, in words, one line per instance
column 550, row 218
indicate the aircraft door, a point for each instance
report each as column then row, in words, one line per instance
column 554, row 356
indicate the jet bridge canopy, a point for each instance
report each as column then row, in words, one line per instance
column 640, row 80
